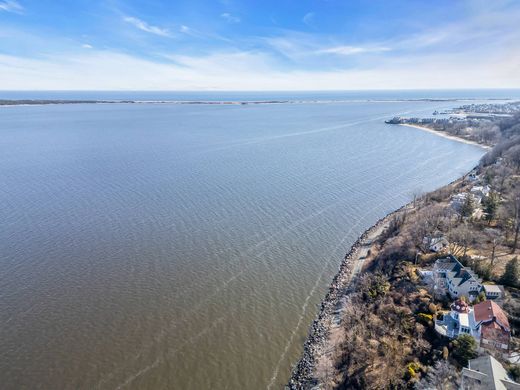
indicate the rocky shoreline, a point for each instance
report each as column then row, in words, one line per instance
column 302, row 375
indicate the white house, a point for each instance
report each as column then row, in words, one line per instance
column 458, row 200
column 486, row 322
column 460, row 320
column 451, row 277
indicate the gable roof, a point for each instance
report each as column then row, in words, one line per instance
column 456, row 271
column 489, row 311
column 490, row 373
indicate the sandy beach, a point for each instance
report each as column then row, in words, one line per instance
column 441, row 134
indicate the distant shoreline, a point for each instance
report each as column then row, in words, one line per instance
column 444, row 135
column 34, row 102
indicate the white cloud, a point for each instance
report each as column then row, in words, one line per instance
column 142, row 25
column 351, row 50
column 86, row 46
column 303, row 46
column 308, row 19
column 11, row 6
column 104, row 70
column 230, row 18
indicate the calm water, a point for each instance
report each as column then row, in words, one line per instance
column 186, row 247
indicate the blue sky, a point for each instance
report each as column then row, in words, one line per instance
column 259, row 45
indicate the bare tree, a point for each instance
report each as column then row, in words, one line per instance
column 461, row 238
column 415, row 195
column 502, row 173
column 428, row 222
column 496, row 238
column 442, row 376
column 513, row 205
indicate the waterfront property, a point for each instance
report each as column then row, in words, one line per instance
column 452, row 278
column 487, row 373
column 460, row 320
column 486, row 322
column 458, row 200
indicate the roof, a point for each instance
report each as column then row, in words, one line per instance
column 456, row 271
column 493, row 288
column 464, row 320
column 440, row 240
column 490, row 373
column 460, row 306
column 489, row 311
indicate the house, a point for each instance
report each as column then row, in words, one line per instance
column 451, row 277
column 459, row 320
column 493, row 291
column 486, row 373
column 436, row 244
column 473, row 177
column 439, row 244
column 458, row 200
column 495, row 332
column 486, row 322
column 481, row 191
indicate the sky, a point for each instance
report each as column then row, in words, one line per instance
column 203, row 45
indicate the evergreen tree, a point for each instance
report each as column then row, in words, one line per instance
column 464, row 349
column 491, row 204
column 468, row 207
column 511, row 273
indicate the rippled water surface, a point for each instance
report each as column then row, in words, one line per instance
column 163, row 246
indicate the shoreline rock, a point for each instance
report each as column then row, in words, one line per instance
column 301, row 377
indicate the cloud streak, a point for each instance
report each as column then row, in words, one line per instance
column 144, row 26
column 352, row 50
column 230, row 18
column 11, row 6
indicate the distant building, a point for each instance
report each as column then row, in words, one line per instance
column 481, row 191
column 451, row 277
column 458, row 200
column 486, row 373
column 473, row 177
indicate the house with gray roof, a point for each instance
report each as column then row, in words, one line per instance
column 452, row 278
column 486, row 373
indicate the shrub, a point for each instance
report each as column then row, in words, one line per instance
column 412, row 369
column 514, row 372
column 426, row 319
